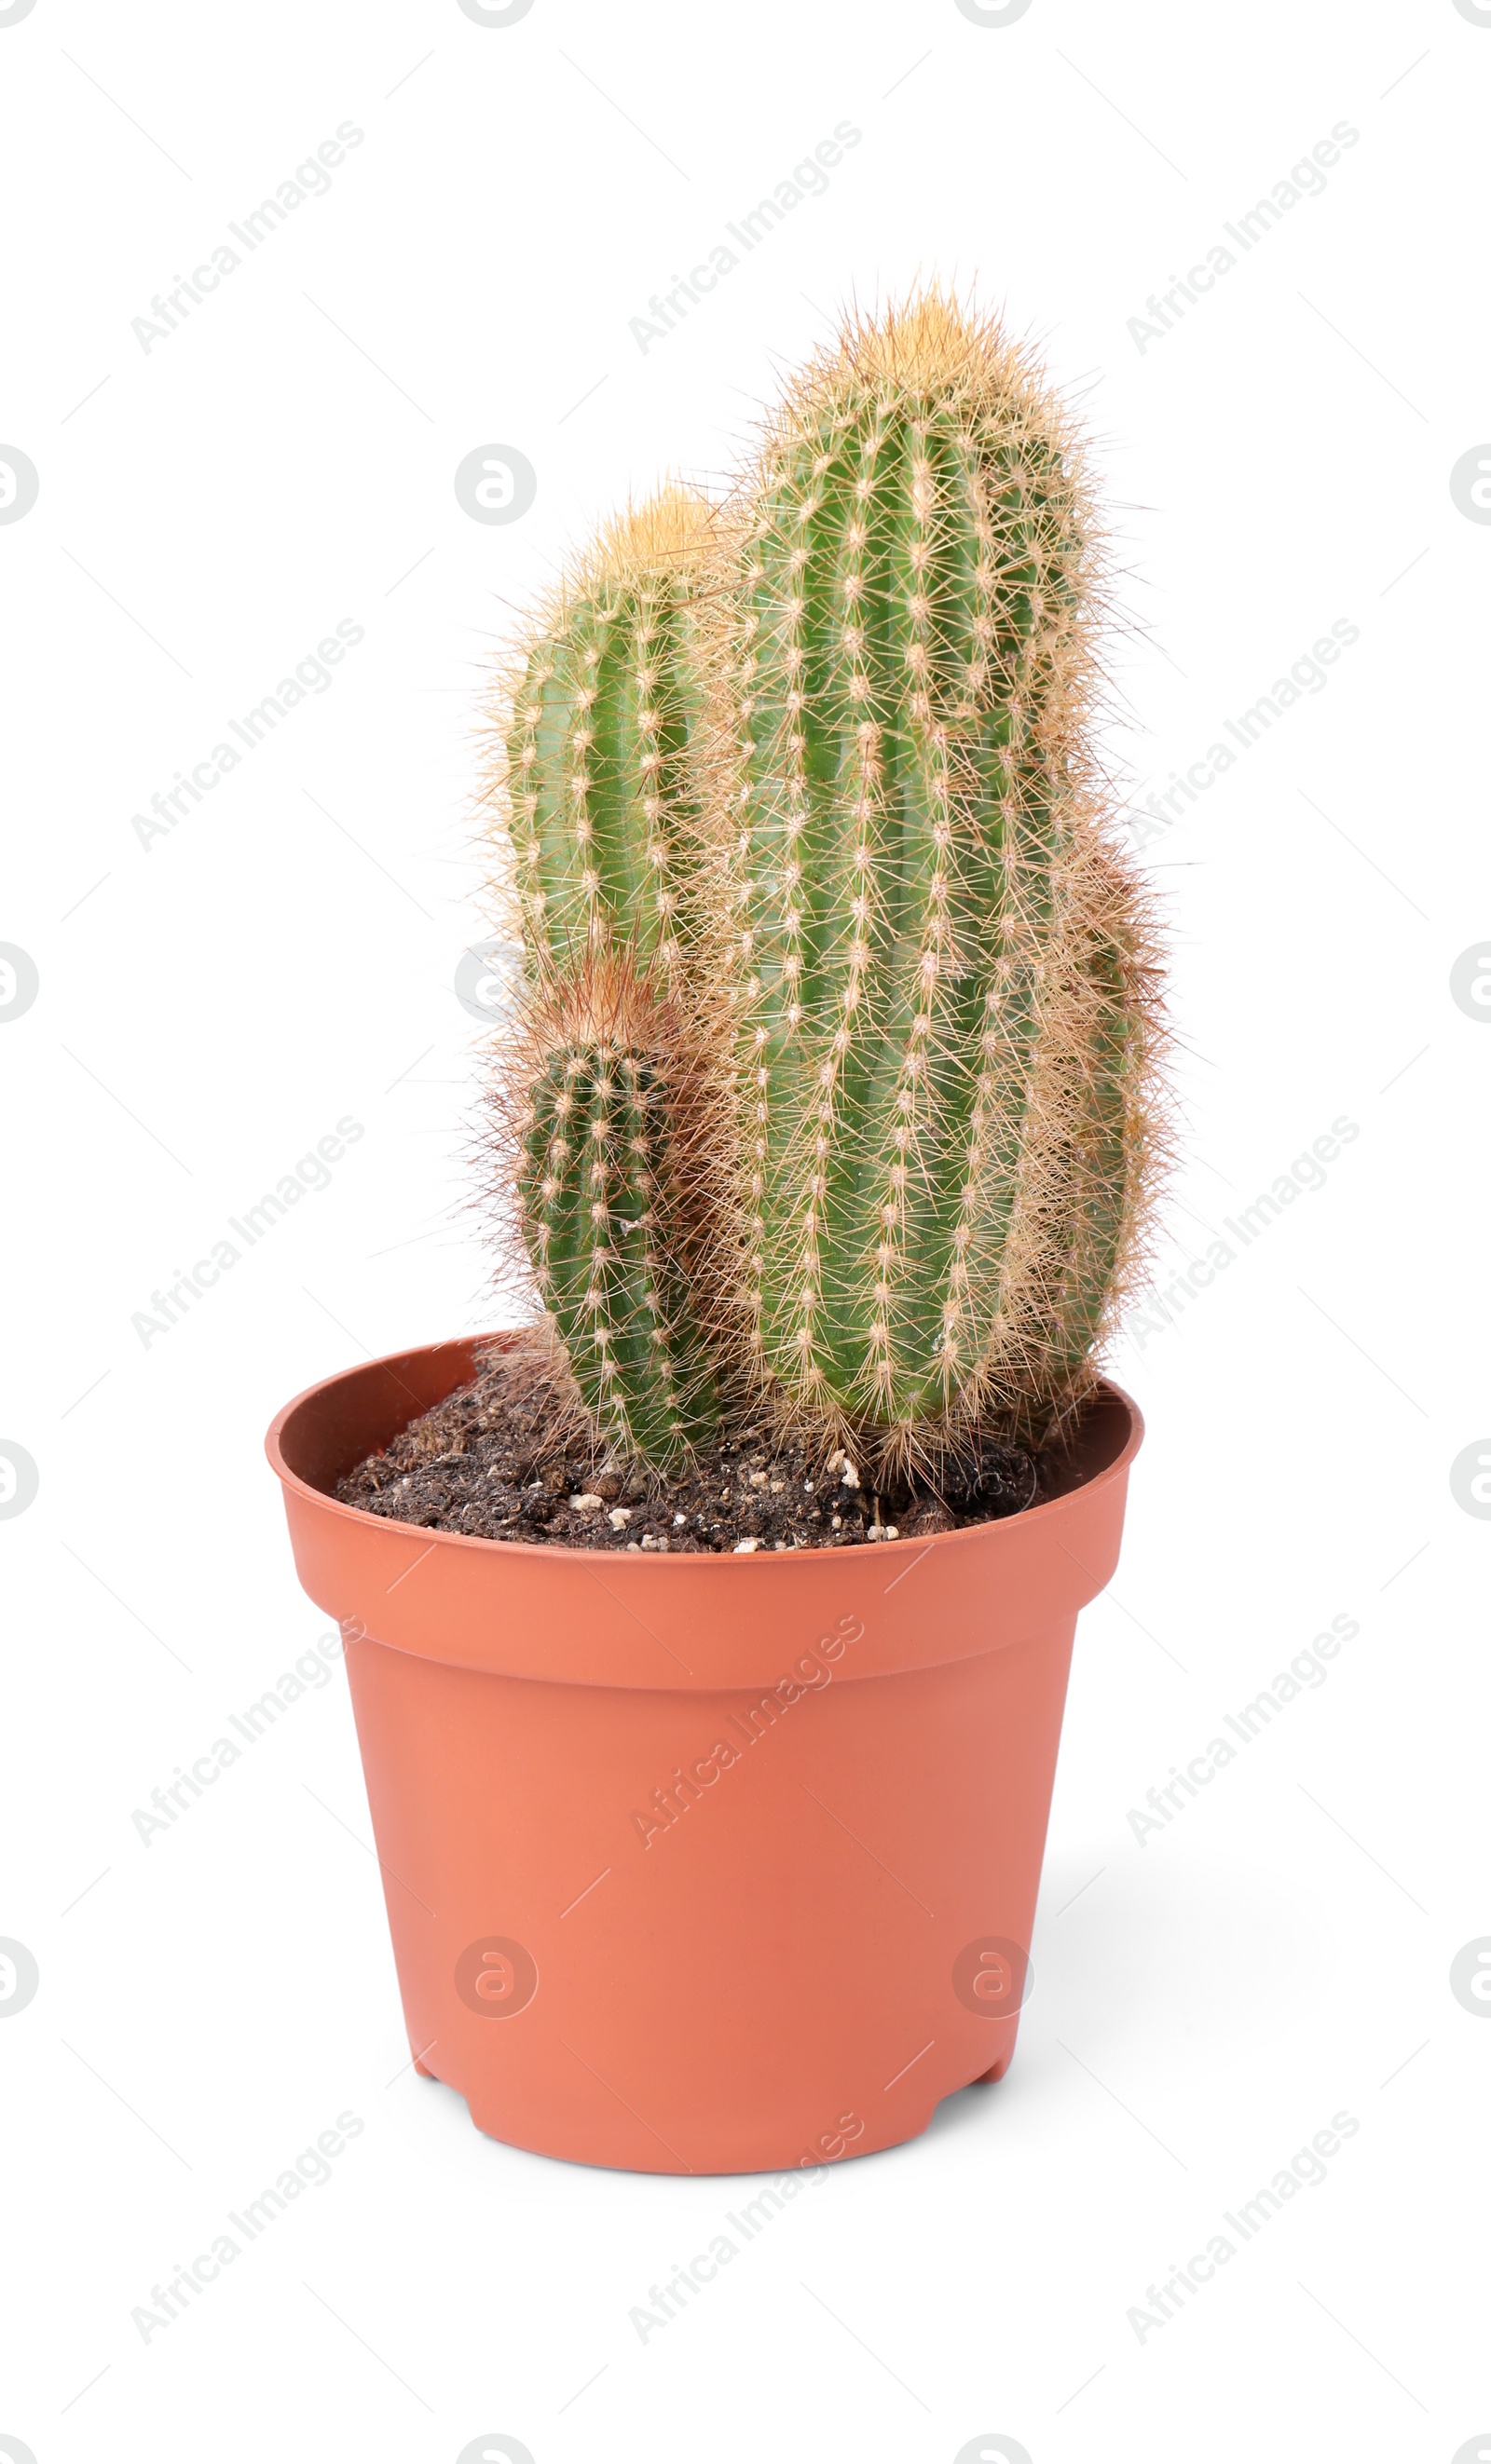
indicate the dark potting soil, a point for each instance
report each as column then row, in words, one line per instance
column 505, row 1459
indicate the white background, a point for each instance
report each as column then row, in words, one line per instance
column 207, row 510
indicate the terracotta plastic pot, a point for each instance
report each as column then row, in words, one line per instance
column 695, row 1863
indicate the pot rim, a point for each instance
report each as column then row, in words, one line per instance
column 325, row 1500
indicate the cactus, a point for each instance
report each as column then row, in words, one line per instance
column 601, row 1168
column 596, row 1103
column 948, row 1016
column 600, row 731
column 837, row 1081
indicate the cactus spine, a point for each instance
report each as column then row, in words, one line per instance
column 595, row 1106
column 947, row 993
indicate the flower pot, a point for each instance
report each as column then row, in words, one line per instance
column 696, row 1863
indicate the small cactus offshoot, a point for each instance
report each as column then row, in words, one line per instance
column 601, row 1174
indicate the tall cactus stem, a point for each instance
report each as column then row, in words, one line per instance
column 929, row 1055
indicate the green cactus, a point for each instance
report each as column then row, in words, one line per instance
column 600, row 1169
column 837, row 1074
column 599, row 745
column 947, row 1007
column 600, row 734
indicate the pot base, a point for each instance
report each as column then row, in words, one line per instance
column 689, row 1932
column 577, row 2153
